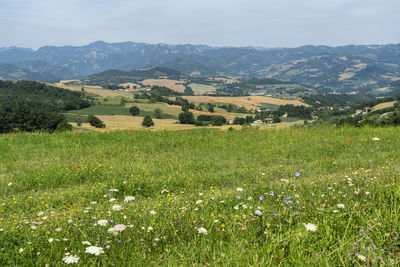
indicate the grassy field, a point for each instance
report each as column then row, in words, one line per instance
column 200, row 89
column 171, row 84
column 307, row 196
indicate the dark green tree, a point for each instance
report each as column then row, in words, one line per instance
column 134, row 110
column 147, row 122
column 186, row 118
column 158, row 113
column 96, row 122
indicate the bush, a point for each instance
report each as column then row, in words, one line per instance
column 147, row 122
column 134, row 110
column 186, row 118
column 158, row 113
column 64, row 127
column 96, row 122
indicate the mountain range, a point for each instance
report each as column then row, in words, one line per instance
column 360, row 68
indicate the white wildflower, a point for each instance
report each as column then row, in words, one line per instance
column 198, row 202
column 112, row 199
column 149, row 229
column 33, row 227
column 58, row 229
column 335, row 211
column 376, row 139
column 258, row 213
column 236, row 207
column 51, row 240
column 93, row 202
column 239, row 189
column 202, row 230
column 340, row 206
column 41, row 213
column 102, row 222
column 310, row 227
column 152, row 212
column 87, row 243
column 129, row 198
column 10, row 184
column 71, row 259
column 117, row 207
column 94, row 250
column 114, row 190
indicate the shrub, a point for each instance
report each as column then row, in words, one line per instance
column 147, row 122
column 64, row 127
column 96, row 122
column 134, row 110
column 186, row 118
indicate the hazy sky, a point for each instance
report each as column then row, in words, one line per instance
column 268, row 23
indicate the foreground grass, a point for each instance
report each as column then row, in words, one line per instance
column 202, row 197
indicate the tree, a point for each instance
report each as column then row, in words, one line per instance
column 276, row 119
column 96, row 122
column 158, row 113
column 134, row 110
column 147, row 122
column 186, row 118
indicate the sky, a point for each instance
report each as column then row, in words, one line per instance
column 265, row 23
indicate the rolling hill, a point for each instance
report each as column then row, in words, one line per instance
column 360, row 68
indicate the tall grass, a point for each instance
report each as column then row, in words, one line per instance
column 203, row 197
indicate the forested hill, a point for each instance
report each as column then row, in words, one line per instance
column 33, row 106
column 40, row 95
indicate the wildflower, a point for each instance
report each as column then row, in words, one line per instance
column 41, row 213
column 238, row 197
column 239, row 189
column 261, row 198
column 340, row 206
column 51, row 240
column 275, row 214
column 149, row 229
column 129, row 198
column 113, row 190
column 297, row 174
column 10, row 184
column 376, row 139
column 71, row 259
column 335, row 211
column 272, row 193
column 294, row 186
column 198, row 202
column 94, row 250
column 152, row 212
column 112, row 199
column 236, row 207
column 244, row 206
column 202, row 230
column 93, row 202
column 58, row 229
column 117, row 207
column 33, row 227
column 361, row 257
column 86, row 243
column 380, row 259
column 249, row 198
column 258, row 213
column 102, row 222
column 21, row 250
column 310, row 227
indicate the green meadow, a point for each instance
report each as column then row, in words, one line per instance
column 318, row 196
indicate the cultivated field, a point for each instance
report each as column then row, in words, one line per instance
column 200, row 89
column 322, row 196
column 383, row 105
column 250, row 102
column 171, row 84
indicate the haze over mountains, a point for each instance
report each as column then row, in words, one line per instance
column 350, row 68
